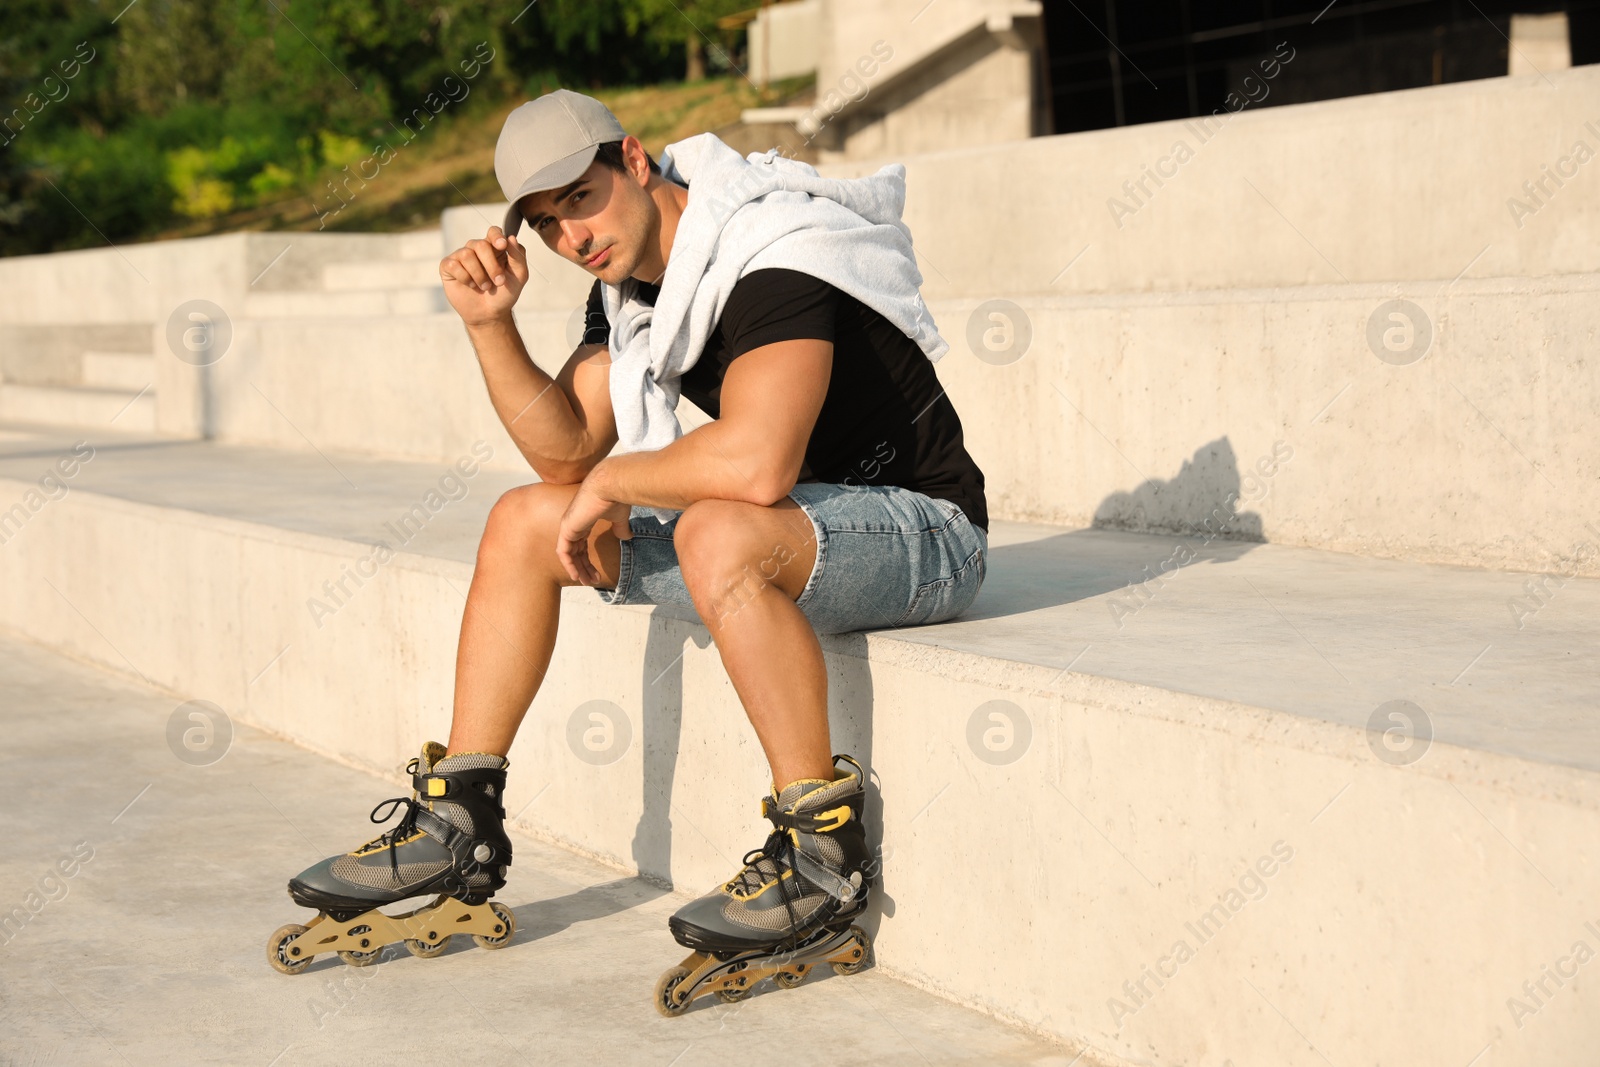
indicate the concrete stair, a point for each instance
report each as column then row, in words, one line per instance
column 310, row 278
column 119, row 370
column 349, row 304
column 82, row 406
column 1087, row 769
column 401, row 274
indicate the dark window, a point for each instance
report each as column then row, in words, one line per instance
column 1120, row 62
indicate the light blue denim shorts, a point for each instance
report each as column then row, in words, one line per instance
column 887, row 557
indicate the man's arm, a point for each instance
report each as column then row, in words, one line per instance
column 771, row 397
column 562, row 426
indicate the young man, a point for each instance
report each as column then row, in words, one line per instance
column 831, row 493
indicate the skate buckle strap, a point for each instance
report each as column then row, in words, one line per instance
column 438, row 828
column 824, row 822
column 435, row 786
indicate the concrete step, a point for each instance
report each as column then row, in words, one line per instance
column 124, row 409
column 52, row 354
column 589, row 943
column 426, row 246
column 1140, row 797
column 365, row 275
column 119, row 370
column 380, row 303
column 1279, row 410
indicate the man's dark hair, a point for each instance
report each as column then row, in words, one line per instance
column 610, row 153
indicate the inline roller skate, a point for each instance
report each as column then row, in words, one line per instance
column 450, row 841
column 790, row 907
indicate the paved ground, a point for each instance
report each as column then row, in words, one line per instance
column 152, row 949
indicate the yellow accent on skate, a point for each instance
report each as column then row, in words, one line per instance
column 437, row 787
column 378, row 844
column 840, row 815
column 739, row 893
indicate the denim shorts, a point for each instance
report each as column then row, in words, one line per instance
column 886, row 557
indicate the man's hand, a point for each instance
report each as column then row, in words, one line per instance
column 483, row 278
column 588, row 507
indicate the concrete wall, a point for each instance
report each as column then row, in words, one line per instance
column 909, row 77
column 1142, row 412
column 1472, row 446
column 1042, row 890
column 977, row 94
column 788, row 37
column 1393, row 186
column 1539, row 44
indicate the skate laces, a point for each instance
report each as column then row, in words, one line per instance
column 401, row 832
column 778, row 851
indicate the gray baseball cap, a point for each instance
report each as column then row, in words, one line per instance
column 549, row 142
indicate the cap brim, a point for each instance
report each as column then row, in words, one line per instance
column 563, row 171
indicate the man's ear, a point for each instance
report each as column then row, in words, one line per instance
column 638, row 160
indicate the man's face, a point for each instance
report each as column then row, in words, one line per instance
column 602, row 222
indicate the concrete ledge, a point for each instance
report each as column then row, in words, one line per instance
column 1146, row 412
column 1038, row 879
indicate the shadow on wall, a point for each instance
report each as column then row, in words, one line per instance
column 1188, row 519
column 1200, row 499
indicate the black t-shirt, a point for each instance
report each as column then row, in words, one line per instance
column 886, row 419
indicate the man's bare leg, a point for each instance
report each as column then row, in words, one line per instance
column 508, row 632
column 745, row 566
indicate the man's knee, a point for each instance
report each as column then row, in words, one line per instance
column 523, row 518
column 722, row 544
column 712, row 538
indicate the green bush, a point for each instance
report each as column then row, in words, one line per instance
column 192, row 109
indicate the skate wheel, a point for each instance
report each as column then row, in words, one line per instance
column 667, row 992
column 862, row 949
column 507, row 920
column 426, row 951
column 789, row 979
column 360, row 959
column 733, row 996
column 276, row 944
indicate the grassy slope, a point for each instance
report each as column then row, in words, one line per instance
column 452, row 161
